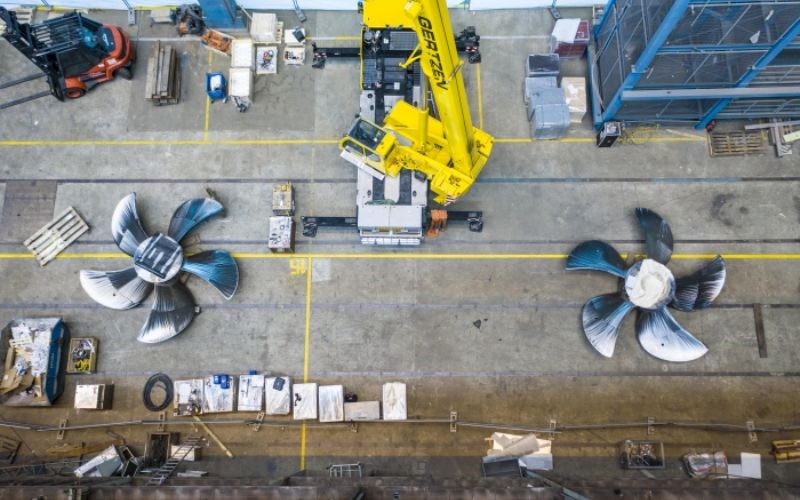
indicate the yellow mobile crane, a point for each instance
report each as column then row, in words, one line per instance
column 450, row 152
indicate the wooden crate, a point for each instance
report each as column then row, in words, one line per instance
column 58, row 234
column 163, row 85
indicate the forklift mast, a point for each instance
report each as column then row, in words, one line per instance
column 56, row 46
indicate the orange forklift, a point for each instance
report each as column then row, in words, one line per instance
column 74, row 53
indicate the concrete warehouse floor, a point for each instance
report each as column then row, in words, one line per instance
column 371, row 315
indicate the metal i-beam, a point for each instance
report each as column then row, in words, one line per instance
column 784, row 41
column 646, row 58
column 715, row 93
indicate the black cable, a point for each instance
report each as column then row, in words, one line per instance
column 148, row 388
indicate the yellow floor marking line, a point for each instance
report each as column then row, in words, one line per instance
column 480, row 95
column 416, row 256
column 190, row 142
column 308, row 319
column 208, row 101
column 305, row 356
column 292, row 142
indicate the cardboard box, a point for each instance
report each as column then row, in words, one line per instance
column 331, row 403
column 304, row 401
column 94, row 396
column 251, row 393
column 278, row 395
column 575, row 94
column 362, row 411
column 394, row 401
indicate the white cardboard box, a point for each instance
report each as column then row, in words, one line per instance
column 278, row 396
column 240, row 82
column 331, row 403
column 93, row 397
column 362, row 410
column 304, row 401
column 188, row 397
column 267, row 59
column 216, row 399
column 575, row 94
column 394, row 401
column 242, row 53
column 264, row 27
column 251, row 392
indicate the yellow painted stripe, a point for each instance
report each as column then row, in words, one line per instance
column 303, row 447
column 512, row 140
column 287, row 142
column 208, row 100
column 148, row 142
column 416, row 256
column 305, row 357
column 308, row 320
column 588, row 140
column 480, row 95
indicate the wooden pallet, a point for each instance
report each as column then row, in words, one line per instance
column 163, row 85
column 786, row 451
column 53, row 238
column 735, row 143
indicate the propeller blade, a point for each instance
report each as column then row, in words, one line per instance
column 701, row 288
column 115, row 289
column 173, row 310
column 190, row 214
column 602, row 317
column 126, row 227
column 596, row 255
column 216, row 267
column 661, row 336
column 657, row 234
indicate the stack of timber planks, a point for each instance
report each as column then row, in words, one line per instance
column 163, row 84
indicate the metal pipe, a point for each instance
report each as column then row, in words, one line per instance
column 716, row 426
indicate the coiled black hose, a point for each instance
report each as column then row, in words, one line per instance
column 148, row 388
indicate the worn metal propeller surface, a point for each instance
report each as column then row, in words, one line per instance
column 649, row 288
column 158, row 261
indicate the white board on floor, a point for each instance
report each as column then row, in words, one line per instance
column 394, row 401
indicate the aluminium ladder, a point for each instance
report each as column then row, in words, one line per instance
column 166, row 470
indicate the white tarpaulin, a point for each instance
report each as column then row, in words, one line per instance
column 526, row 4
column 305, row 4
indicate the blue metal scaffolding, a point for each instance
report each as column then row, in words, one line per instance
column 695, row 61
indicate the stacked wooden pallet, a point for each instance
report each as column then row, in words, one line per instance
column 57, row 235
column 163, row 84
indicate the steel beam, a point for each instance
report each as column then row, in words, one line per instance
column 736, row 48
column 715, row 93
column 646, row 58
column 610, row 5
column 784, row 41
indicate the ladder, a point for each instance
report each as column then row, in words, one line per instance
column 166, row 470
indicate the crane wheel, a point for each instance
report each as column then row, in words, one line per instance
column 74, row 92
column 125, row 73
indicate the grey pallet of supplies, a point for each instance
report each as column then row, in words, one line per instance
column 55, row 236
column 163, row 85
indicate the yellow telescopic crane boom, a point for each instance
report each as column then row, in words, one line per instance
column 450, row 151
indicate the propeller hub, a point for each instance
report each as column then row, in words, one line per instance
column 649, row 284
column 158, row 259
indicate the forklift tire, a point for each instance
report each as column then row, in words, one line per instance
column 74, row 92
column 125, row 73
